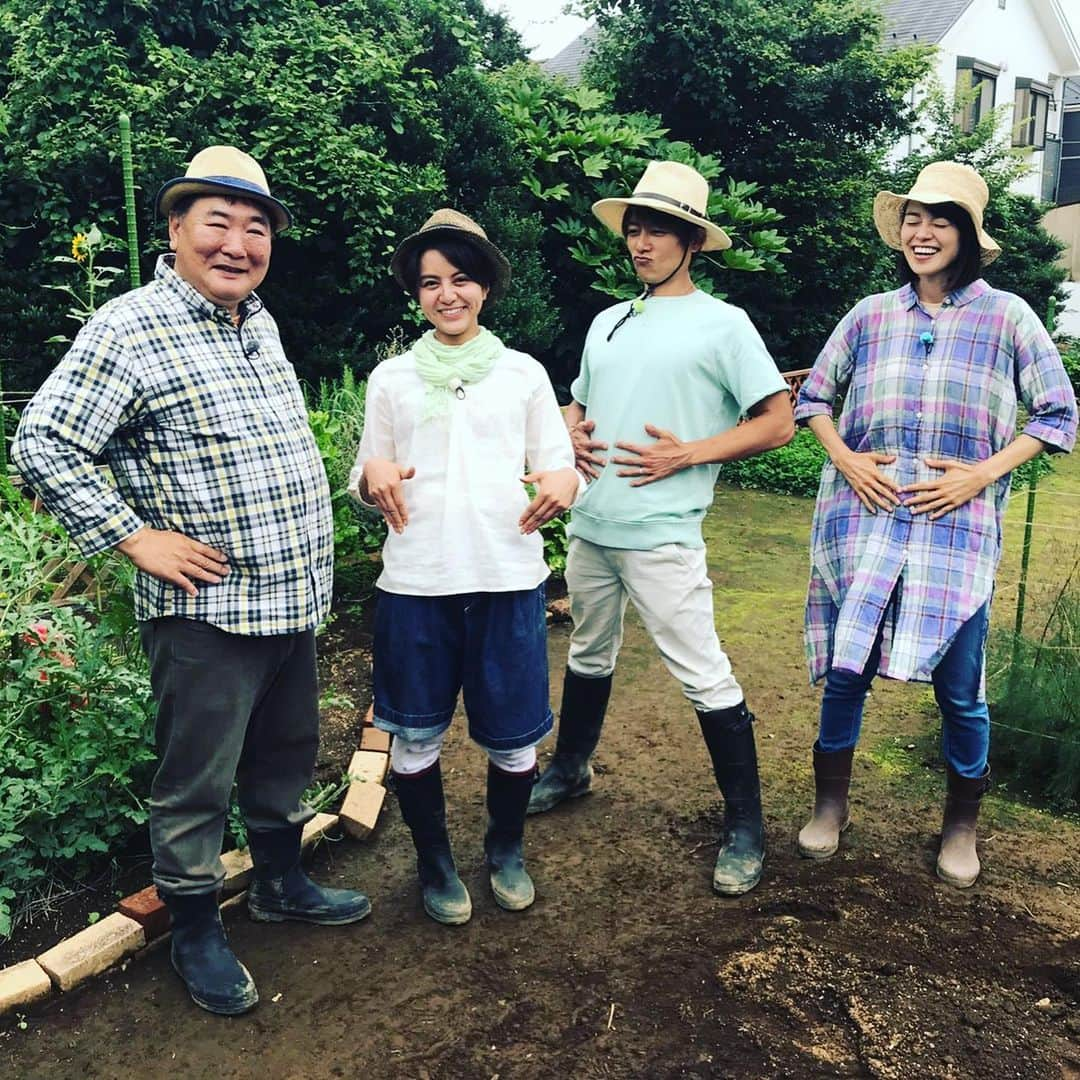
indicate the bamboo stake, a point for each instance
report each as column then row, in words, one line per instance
column 129, row 202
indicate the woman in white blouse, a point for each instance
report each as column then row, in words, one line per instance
column 454, row 430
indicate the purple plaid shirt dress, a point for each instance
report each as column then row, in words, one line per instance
column 921, row 387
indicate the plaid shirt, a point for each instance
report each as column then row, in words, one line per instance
column 952, row 397
column 204, row 428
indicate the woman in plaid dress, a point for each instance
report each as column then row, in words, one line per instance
column 907, row 527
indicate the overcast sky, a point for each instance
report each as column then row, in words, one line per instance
column 541, row 23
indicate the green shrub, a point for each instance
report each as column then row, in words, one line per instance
column 1035, row 706
column 76, row 727
column 555, row 544
column 1070, row 356
column 794, row 469
column 336, row 416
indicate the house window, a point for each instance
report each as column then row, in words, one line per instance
column 978, row 78
column 1029, row 113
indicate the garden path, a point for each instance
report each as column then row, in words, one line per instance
column 628, row 966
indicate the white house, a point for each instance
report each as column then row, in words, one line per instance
column 1019, row 53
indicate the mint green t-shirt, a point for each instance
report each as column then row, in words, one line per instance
column 689, row 364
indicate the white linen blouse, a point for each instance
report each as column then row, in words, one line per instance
column 467, row 496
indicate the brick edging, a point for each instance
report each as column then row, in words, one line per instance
column 141, row 919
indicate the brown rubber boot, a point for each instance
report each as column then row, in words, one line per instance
column 958, row 862
column 820, row 837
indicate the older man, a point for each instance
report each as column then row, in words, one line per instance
column 221, row 502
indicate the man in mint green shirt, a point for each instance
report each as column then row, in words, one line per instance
column 664, row 381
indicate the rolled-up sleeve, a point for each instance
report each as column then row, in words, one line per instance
column 377, row 439
column 831, row 373
column 547, row 442
column 65, row 429
column 1043, row 383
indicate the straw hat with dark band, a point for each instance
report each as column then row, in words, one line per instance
column 940, row 182
column 451, row 225
column 224, row 170
column 671, row 188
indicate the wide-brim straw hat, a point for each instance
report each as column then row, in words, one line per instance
column 224, row 170
column 670, row 188
column 940, row 182
column 452, row 225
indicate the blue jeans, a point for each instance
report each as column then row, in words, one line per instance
column 965, row 728
column 490, row 646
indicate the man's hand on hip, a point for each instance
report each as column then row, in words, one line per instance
column 587, row 462
column 652, row 462
column 175, row 558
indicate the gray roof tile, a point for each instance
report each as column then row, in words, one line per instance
column 925, row 22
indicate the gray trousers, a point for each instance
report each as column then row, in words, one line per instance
column 229, row 706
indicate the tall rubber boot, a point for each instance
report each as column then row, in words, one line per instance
column 281, row 890
column 201, row 956
column 423, row 808
column 507, row 800
column 729, row 735
column 581, row 717
column 958, row 862
column 820, row 836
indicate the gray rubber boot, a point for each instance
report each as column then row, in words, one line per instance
column 729, row 735
column 581, row 717
column 423, row 807
column 507, row 799
column 820, row 836
column 958, row 861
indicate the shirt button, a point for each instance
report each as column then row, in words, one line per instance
column 926, row 367
column 918, row 416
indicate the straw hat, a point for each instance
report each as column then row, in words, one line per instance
column 447, row 224
column 940, row 182
column 670, row 188
column 224, row 170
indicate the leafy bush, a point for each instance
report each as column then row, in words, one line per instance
column 1036, row 705
column 1070, row 357
column 555, row 545
column 336, row 416
column 76, row 734
column 794, row 469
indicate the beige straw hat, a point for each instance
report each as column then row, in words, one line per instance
column 451, row 224
column 224, row 170
column 671, row 188
column 940, row 182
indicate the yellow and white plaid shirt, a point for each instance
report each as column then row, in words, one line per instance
column 204, row 428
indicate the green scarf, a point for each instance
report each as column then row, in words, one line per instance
column 447, row 369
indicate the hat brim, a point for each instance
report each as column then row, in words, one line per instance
column 611, row 212
column 426, row 238
column 182, row 186
column 888, row 207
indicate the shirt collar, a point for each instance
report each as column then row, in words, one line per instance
column 908, row 297
column 165, row 272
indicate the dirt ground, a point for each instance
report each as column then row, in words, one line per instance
column 628, row 965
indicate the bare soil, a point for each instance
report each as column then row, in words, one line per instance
column 628, row 966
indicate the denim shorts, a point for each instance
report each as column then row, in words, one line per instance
column 490, row 646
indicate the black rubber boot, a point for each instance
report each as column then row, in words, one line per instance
column 215, row 979
column 423, row 808
column 281, row 890
column 507, row 800
column 729, row 735
column 581, row 717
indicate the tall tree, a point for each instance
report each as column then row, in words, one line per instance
column 796, row 95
